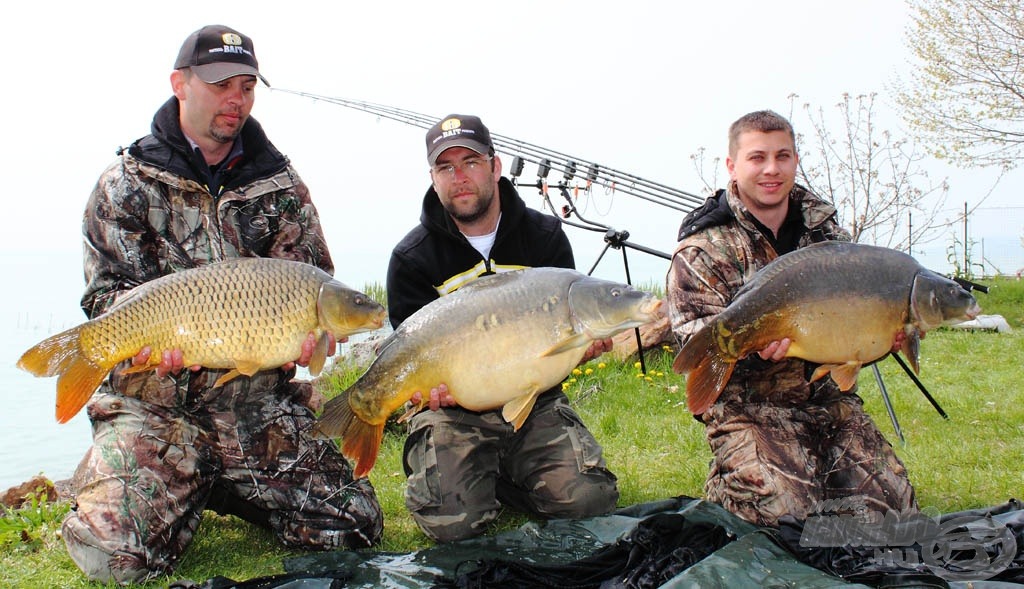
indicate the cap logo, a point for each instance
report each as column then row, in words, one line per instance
column 451, row 125
column 231, row 39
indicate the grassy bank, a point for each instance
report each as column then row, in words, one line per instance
column 657, row 450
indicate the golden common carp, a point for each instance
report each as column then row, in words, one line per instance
column 498, row 342
column 841, row 304
column 244, row 314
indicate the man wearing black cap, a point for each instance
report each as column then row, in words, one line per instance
column 204, row 186
column 464, row 466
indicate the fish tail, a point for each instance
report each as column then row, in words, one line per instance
column 77, row 382
column 361, row 439
column 706, row 368
column 53, row 355
column 61, row 354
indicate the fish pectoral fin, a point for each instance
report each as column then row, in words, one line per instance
column 912, row 349
column 517, row 410
column 570, row 343
column 845, row 375
column 231, row 375
column 137, row 368
column 412, row 410
column 316, row 363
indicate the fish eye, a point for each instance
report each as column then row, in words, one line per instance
column 616, row 292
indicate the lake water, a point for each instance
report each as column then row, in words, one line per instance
column 31, row 440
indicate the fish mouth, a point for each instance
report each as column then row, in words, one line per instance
column 973, row 311
column 652, row 307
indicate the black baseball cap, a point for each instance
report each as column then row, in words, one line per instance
column 216, row 53
column 458, row 131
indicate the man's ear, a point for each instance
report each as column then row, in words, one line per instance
column 178, row 84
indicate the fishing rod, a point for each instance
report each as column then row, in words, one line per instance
column 585, row 173
column 575, row 172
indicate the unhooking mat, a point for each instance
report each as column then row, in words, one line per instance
column 686, row 542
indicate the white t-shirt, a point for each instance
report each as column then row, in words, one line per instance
column 484, row 243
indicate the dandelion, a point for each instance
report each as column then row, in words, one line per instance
column 637, row 364
column 577, row 371
column 601, row 365
column 588, row 371
column 571, row 380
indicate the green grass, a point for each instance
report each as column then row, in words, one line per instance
column 657, row 450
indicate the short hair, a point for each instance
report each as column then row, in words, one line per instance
column 761, row 120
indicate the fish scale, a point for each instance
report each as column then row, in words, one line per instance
column 245, row 314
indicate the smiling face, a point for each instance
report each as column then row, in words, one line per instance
column 763, row 166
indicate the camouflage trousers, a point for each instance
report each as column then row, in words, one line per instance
column 153, row 469
column 463, row 466
column 771, row 460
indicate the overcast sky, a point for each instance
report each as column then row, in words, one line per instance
column 632, row 85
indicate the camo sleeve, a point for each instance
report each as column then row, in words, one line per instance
column 695, row 291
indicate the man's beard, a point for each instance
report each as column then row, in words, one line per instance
column 225, row 137
column 475, row 214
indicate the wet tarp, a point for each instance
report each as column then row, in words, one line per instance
column 686, row 542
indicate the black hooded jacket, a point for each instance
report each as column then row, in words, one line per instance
column 435, row 258
column 167, row 148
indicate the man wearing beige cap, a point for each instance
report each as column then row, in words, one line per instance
column 204, row 186
column 463, row 466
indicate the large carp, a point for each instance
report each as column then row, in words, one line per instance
column 244, row 314
column 841, row 305
column 497, row 342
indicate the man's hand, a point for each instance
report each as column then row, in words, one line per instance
column 171, row 361
column 775, row 351
column 437, row 398
column 597, row 348
column 308, row 345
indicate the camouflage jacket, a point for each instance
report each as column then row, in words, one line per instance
column 720, row 249
column 152, row 213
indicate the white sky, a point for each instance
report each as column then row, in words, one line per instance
column 637, row 86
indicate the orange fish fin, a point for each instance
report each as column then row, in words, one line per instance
column 412, row 410
column 517, row 410
column 76, row 384
column 138, row 368
column 229, row 376
column 821, row 371
column 53, row 355
column 705, row 382
column 316, row 363
column 362, row 443
column 912, row 349
column 706, row 369
column 361, row 439
column 845, row 375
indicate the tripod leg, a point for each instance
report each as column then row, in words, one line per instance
column 920, row 385
column 888, row 403
column 636, row 330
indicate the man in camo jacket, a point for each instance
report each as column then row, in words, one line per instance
column 780, row 444
column 204, row 186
